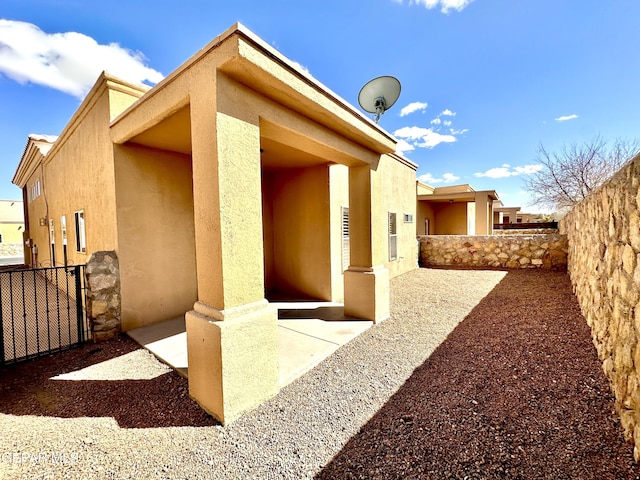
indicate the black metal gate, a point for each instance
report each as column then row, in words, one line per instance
column 42, row 312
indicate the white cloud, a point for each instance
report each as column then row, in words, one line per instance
column 423, row 137
column 445, row 5
column 70, row 62
column 507, row 171
column 413, row 107
column 431, row 180
column 564, row 118
column 450, row 178
column 301, row 67
column 402, row 146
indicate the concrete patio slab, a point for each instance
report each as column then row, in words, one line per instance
column 308, row 332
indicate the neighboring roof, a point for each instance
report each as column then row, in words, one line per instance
column 423, row 188
column 465, row 187
column 39, row 146
column 458, row 196
column 506, row 209
column 35, row 150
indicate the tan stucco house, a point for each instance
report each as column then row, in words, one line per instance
column 454, row 210
column 236, row 179
column 506, row 215
column 11, row 221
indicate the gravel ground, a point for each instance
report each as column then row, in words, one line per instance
column 477, row 374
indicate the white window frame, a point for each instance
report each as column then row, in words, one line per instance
column 81, row 236
column 408, row 218
column 33, row 191
column 393, row 236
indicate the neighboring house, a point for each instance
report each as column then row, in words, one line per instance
column 454, row 210
column 11, row 232
column 236, row 179
column 11, row 221
column 506, row 215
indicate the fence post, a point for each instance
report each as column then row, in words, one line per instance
column 103, row 295
column 77, row 271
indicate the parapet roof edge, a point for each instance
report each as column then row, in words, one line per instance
column 240, row 29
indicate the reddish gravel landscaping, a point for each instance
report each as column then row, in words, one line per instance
column 515, row 391
column 465, row 381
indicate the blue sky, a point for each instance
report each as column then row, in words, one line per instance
column 484, row 82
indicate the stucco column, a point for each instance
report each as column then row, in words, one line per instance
column 366, row 282
column 232, row 336
column 484, row 214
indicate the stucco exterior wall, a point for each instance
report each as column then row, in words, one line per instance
column 425, row 212
column 154, row 201
column 298, row 234
column 604, row 265
column 10, row 233
column 11, row 221
column 517, row 251
column 399, row 197
column 339, row 193
column 451, row 219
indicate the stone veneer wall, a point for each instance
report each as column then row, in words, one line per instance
column 604, row 265
column 11, row 249
column 505, row 251
column 103, row 295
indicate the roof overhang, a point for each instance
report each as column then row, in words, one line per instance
column 245, row 58
column 459, row 196
column 35, row 150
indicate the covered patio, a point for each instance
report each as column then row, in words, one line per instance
column 308, row 332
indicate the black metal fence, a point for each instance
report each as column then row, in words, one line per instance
column 42, row 311
column 525, row 226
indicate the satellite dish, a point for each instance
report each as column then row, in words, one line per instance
column 379, row 95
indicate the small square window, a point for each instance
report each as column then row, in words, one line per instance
column 408, row 218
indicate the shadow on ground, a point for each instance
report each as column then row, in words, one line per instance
column 515, row 391
column 30, row 389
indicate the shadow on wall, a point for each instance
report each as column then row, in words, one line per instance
column 515, row 391
column 163, row 401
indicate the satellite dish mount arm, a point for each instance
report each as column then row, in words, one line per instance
column 381, row 107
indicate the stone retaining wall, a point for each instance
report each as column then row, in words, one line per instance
column 11, row 249
column 491, row 251
column 604, row 265
column 103, row 295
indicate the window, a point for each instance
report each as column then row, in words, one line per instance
column 346, row 254
column 52, row 238
column 81, row 241
column 408, row 218
column 63, row 230
column 33, row 192
column 393, row 237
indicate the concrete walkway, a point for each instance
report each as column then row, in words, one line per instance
column 308, row 332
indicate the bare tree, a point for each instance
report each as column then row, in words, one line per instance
column 571, row 173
